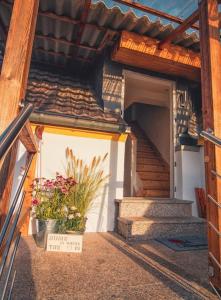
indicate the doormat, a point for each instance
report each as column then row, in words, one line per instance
column 185, row 243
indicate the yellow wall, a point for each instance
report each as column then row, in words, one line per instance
column 84, row 133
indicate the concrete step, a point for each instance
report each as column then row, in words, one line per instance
column 156, row 193
column 149, row 207
column 154, row 175
column 156, row 184
column 142, row 228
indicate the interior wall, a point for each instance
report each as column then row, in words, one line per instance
column 155, row 121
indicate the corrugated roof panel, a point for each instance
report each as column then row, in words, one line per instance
column 114, row 18
column 69, row 8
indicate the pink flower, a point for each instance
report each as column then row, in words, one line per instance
column 35, row 202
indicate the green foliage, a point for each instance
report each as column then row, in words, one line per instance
column 89, row 178
column 73, row 222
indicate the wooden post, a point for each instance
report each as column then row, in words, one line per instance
column 211, row 100
column 14, row 73
column 16, row 62
column 25, row 214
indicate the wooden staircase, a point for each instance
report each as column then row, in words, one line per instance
column 152, row 170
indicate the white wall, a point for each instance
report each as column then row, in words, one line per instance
column 155, row 121
column 101, row 215
column 19, row 169
column 189, row 174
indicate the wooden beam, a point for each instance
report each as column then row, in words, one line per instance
column 71, row 21
column 15, row 68
column 3, row 29
column 83, row 20
column 63, row 41
column 108, row 36
column 27, row 138
column 142, row 52
column 180, row 29
column 211, row 103
column 7, row 176
column 50, row 52
column 153, row 11
column 65, row 19
column 25, row 214
column 69, row 56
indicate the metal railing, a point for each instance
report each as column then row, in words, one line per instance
column 209, row 136
column 10, row 233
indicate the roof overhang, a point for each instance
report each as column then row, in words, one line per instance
column 65, row 121
column 143, row 52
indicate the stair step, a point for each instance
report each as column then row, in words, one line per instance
column 156, row 184
column 151, row 168
column 156, row 193
column 149, row 161
column 145, row 149
column 154, row 175
column 149, row 207
column 144, row 155
column 143, row 228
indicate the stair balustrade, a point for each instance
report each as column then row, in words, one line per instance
column 210, row 137
column 10, row 231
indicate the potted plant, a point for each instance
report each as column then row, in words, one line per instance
column 89, row 177
column 49, row 204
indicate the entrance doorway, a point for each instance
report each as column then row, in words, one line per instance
column 149, row 155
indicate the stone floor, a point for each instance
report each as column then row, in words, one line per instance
column 109, row 268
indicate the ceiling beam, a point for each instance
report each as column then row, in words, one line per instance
column 180, row 29
column 153, row 11
column 3, row 29
column 106, row 38
column 53, row 39
column 50, row 52
column 71, row 21
column 83, row 20
column 65, row 19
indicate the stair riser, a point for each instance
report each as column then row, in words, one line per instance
column 141, row 209
column 152, row 231
column 150, row 168
column 153, row 176
column 156, row 193
column 150, row 184
column 144, row 156
column 149, row 161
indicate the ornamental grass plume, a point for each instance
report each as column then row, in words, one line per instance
column 89, row 178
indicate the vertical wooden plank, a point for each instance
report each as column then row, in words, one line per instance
column 6, row 175
column 15, row 68
column 211, row 100
column 17, row 58
column 25, row 215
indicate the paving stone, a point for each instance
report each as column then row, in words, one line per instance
column 110, row 268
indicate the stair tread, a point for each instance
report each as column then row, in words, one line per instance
column 154, row 200
column 162, row 220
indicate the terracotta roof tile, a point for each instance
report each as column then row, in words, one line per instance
column 61, row 94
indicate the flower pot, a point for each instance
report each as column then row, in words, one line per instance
column 74, row 232
column 43, row 228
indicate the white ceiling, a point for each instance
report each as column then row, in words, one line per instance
column 146, row 89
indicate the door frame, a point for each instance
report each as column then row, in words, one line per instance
column 172, row 107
